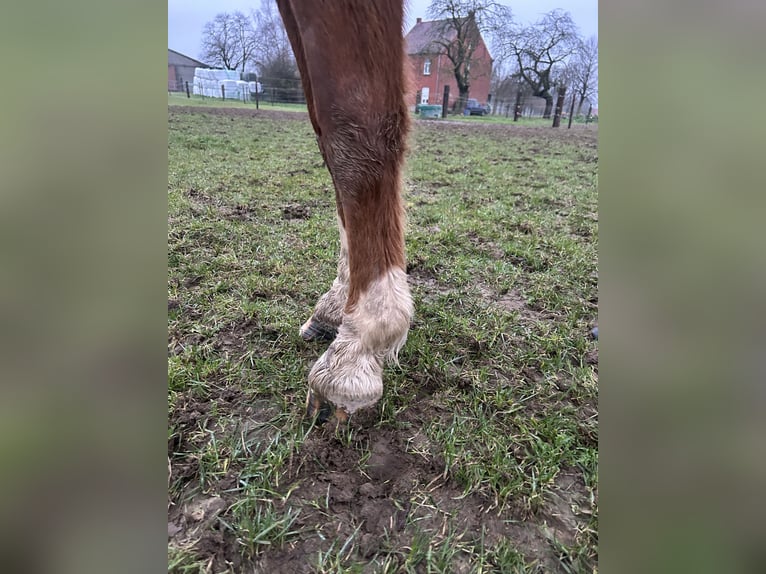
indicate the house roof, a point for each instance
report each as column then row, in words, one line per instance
column 424, row 35
column 179, row 59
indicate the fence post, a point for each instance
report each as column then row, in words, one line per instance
column 187, row 90
column 445, row 100
column 517, row 107
column 559, row 106
column 571, row 110
column 223, row 92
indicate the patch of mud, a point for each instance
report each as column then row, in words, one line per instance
column 195, row 527
column 483, row 245
column 591, row 358
column 510, row 301
column 236, row 212
column 296, row 211
column 192, row 281
column 239, row 212
column 424, row 281
column 378, row 491
column 177, row 343
column 247, row 334
column 403, row 487
column 194, row 515
column 199, row 196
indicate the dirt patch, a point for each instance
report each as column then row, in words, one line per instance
column 296, row 211
column 424, row 281
column 381, row 500
column 512, row 301
column 239, row 212
column 485, row 246
column 508, row 300
column 246, row 334
column 198, row 196
column 196, row 518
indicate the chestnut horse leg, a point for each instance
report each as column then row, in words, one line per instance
column 351, row 58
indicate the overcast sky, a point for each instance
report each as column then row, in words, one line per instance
column 186, row 18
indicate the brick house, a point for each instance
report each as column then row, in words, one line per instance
column 432, row 70
column 181, row 70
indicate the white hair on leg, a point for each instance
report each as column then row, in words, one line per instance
column 382, row 315
column 349, row 373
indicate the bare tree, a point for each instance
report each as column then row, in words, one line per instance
column 540, row 50
column 458, row 34
column 585, row 71
column 274, row 56
column 228, row 41
column 272, row 43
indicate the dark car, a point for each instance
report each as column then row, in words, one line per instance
column 474, row 108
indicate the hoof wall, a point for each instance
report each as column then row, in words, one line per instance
column 316, row 331
column 323, row 410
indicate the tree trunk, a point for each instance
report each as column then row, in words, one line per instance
column 580, row 103
column 559, row 106
column 548, row 106
column 462, row 98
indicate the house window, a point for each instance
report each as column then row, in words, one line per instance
column 427, row 68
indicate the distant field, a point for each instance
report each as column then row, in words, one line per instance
column 482, row 454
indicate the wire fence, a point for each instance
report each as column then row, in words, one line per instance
column 262, row 90
column 265, row 90
column 530, row 107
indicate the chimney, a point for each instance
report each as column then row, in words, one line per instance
column 419, row 20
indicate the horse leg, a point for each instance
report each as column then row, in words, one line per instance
column 352, row 68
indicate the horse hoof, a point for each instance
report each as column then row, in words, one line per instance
column 314, row 330
column 323, row 410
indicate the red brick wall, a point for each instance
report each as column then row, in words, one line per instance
column 441, row 74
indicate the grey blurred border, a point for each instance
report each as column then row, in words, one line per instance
column 682, row 283
column 83, row 220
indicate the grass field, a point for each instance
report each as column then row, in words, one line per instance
column 482, row 454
